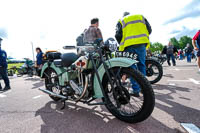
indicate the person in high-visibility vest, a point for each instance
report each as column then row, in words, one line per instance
column 132, row 34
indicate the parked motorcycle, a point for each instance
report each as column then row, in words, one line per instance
column 154, row 70
column 95, row 75
column 27, row 68
column 160, row 58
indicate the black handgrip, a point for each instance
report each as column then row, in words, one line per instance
column 69, row 47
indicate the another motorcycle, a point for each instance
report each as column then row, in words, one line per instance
column 154, row 70
column 95, row 75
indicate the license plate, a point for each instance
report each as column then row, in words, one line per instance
column 126, row 54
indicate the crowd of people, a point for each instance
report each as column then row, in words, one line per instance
column 172, row 53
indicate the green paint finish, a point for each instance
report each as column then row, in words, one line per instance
column 114, row 62
column 63, row 75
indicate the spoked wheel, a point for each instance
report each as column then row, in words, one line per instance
column 121, row 102
column 154, row 71
column 52, row 83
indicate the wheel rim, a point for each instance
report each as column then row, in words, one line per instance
column 152, row 72
column 133, row 106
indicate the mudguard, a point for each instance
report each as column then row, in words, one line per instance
column 114, row 62
column 59, row 70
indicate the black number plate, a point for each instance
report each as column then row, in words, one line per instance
column 126, row 54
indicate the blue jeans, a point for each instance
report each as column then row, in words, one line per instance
column 141, row 55
column 173, row 59
column 188, row 57
column 181, row 57
column 3, row 73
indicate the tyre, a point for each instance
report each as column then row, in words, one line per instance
column 124, row 106
column 20, row 72
column 10, row 73
column 154, row 71
column 52, row 83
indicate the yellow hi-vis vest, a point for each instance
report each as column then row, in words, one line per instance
column 134, row 31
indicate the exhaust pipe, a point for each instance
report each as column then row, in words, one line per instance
column 52, row 93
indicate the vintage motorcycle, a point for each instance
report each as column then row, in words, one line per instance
column 95, row 75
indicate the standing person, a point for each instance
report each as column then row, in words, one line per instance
column 39, row 61
column 170, row 50
column 181, row 54
column 188, row 53
column 132, row 33
column 196, row 45
column 3, row 68
column 93, row 32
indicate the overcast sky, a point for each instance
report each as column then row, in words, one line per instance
column 51, row 24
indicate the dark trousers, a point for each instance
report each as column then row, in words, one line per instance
column 4, row 75
column 171, row 56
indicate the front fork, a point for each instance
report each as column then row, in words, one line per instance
column 109, row 78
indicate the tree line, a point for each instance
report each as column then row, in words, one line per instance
column 179, row 44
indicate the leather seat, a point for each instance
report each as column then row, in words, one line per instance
column 68, row 59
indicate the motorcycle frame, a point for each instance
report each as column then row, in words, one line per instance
column 99, row 71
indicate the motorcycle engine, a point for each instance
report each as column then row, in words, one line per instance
column 78, row 89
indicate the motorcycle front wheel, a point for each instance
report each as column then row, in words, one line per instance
column 121, row 101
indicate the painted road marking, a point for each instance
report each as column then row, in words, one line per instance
column 2, row 96
column 178, row 80
column 172, row 84
column 37, row 96
column 7, row 91
column 190, row 128
column 177, row 69
column 191, row 80
column 194, row 81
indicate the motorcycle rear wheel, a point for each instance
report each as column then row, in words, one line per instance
column 51, row 80
column 133, row 111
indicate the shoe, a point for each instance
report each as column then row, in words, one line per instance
column 1, row 88
column 174, row 64
column 7, row 88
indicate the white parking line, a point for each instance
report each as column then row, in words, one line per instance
column 190, row 128
column 172, row 84
column 178, row 80
column 7, row 92
column 191, row 80
column 37, row 96
column 194, row 81
column 2, row 96
column 177, row 69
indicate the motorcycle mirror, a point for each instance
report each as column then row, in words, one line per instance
column 69, row 47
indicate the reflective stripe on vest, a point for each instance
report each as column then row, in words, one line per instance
column 132, row 22
column 134, row 31
column 131, row 37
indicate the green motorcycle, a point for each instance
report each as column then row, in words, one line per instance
column 95, row 75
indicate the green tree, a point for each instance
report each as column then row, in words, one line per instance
column 156, row 47
column 175, row 42
column 184, row 40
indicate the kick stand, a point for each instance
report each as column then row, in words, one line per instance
column 63, row 107
column 63, row 101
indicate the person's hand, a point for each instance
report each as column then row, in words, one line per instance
column 195, row 48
